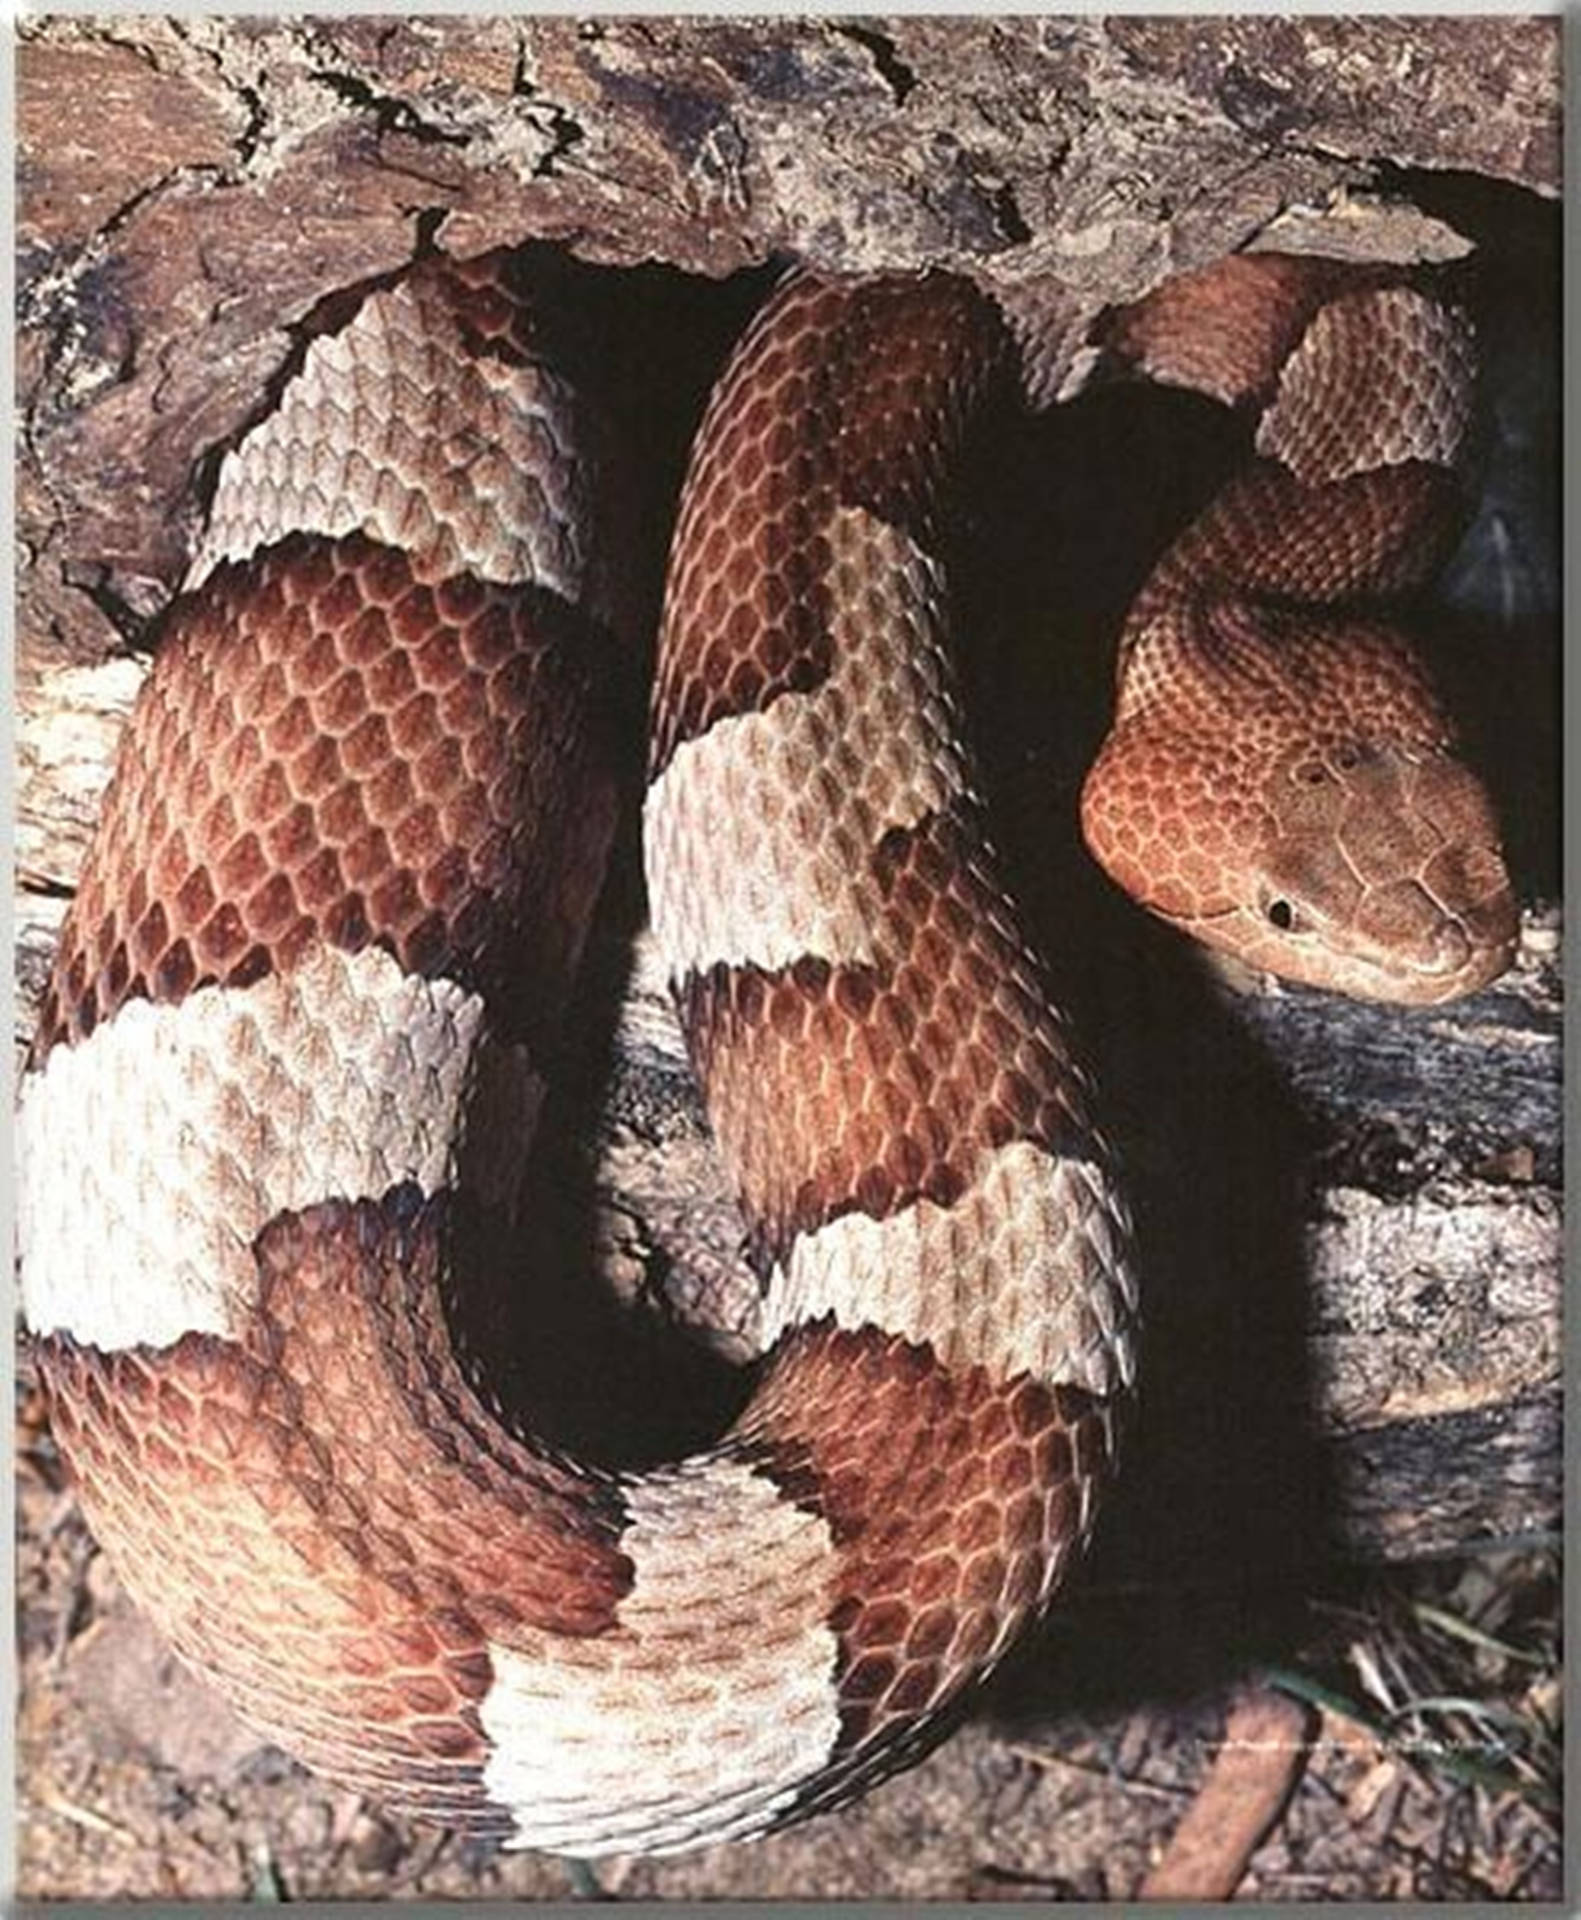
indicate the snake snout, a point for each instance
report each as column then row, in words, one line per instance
column 1449, row 854
column 1395, row 942
column 1387, row 880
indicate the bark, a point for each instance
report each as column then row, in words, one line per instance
column 257, row 165
column 1349, row 1216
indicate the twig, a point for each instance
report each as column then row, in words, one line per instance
column 1266, row 1740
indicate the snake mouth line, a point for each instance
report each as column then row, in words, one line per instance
column 1348, row 970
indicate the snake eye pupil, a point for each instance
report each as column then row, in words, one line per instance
column 1282, row 914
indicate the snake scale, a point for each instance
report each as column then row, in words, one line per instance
column 292, row 1050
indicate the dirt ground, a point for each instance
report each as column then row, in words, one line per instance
column 1423, row 1764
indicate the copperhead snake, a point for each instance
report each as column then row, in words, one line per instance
column 289, row 1058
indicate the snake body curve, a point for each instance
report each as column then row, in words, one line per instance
column 291, row 1054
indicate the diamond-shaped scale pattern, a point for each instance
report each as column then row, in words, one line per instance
column 436, row 420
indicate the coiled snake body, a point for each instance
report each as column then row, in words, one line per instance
column 290, row 1056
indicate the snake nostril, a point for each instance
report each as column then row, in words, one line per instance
column 1282, row 915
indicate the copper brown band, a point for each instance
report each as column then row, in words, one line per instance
column 1228, row 329
column 838, row 396
column 381, row 1525
column 331, row 750
column 955, row 1499
column 836, row 1089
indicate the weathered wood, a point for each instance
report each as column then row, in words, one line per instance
column 255, row 165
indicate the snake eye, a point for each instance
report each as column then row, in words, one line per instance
column 1347, row 757
column 1281, row 914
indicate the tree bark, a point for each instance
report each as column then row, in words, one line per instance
column 1349, row 1216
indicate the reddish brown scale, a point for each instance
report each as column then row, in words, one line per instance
column 286, row 782
column 839, row 394
column 371, row 1590
column 958, row 1501
column 833, row 1088
column 1376, row 533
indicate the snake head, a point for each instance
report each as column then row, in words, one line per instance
column 1380, row 875
column 1339, row 842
